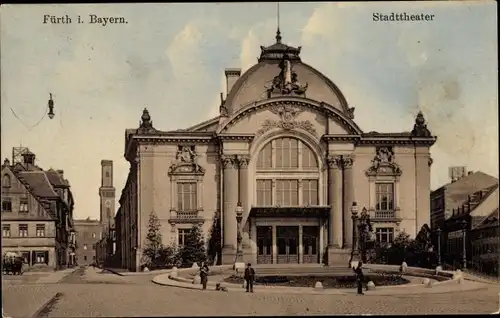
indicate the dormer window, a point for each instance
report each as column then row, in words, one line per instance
column 6, row 183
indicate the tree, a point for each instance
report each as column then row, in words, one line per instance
column 214, row 243
column 193, row 250
column 153, row 245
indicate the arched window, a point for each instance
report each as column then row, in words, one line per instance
column 6, row 181
column 274, row 186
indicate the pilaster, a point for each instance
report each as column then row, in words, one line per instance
column 335, row 201
column 348, row 190
column 230, row 202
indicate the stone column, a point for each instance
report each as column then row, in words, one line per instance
column 230, row 225
column 275, row 248
column 335, row 201
column 243, row 196
column 348, row 199
column 301, row 245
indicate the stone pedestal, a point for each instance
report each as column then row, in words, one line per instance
column 228, row 255
column 338, row 256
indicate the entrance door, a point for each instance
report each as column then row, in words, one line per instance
column 310, row 241
column 264, row 245
column 288, row 244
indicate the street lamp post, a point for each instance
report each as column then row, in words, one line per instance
column 439, row 245
column 239, row 238
column 464, row 245
column 355, row 249
column 363, row 233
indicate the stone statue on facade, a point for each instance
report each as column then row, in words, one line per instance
column 187, row 154
column 384, row 161
column 286, row 82
column 146, row 124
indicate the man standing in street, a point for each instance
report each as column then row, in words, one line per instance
column 249, row 277
column 360, row 277
column 204, row 275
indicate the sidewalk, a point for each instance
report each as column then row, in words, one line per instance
column 55, row 277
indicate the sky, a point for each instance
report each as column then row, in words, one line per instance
column 170, row 58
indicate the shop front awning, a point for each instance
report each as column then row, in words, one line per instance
column 297, row 212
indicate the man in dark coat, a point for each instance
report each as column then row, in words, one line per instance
column 360, row 277
column 204, row 275
column 249, row 277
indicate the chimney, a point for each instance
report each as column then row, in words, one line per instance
column 232, row 75
column 61, row 173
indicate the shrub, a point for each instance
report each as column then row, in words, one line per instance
column 193, row 250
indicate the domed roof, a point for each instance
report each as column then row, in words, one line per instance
column 280, row 71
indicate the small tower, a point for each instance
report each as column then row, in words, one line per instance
column 107, row 194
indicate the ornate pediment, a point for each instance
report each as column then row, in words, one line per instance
column 383, row 163
column 288, row 114
column 186, row 162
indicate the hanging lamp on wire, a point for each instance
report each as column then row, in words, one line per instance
column 51, row 107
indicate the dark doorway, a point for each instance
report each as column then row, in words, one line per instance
column 288, row 244
column 310, row 241
column 264, row 245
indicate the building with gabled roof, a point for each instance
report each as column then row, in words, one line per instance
column 37, row 213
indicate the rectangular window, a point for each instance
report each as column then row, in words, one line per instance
column 287, row 192
column 6, row 205
column 41, row 258
column 385, row 196
column 40, row 230
column 6, row 230
column 265, row 159
column 85, row 258
column 23, row 205
column 385, row 234
column 309, row 192
column 23, row 230
column 186, row 196
column 181, row 236
column 264, row 192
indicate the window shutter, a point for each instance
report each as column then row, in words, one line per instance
column 47, row 257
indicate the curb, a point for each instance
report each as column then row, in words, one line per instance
column 46, row 305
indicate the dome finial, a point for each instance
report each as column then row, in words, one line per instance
column 278, row 36
column 278, row 33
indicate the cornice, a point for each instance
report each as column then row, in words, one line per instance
column 184, row 138
column 230, row 137
column 341, row 138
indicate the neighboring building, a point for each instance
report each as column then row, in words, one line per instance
column 286, row 146
column 454, row 194
column 106, row 246
column 478, row 218
column 88, row 233
column 37, row 212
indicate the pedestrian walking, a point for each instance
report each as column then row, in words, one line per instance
column 204, row 275
column 360, row 277
column 249, row 277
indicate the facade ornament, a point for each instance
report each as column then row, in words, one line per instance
column 187, row 162
column 350, row 112
column 334, row 161
column 146, row 124
column 430, row 161
column 288, row 114
column 383, row 163
column 228, row 162
column 243, row 161
column 420, row 128
column 186, row 154
column 347, row 161
column 286, row 82
column 223, row 111
column 6, row 162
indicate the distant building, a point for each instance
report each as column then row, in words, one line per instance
column 106, row 246
column 37, row 212
column 456, row 193
column 88, row 234
column 286, row 147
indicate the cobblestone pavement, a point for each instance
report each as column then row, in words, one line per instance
column 140, row 297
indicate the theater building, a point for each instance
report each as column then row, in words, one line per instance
column 285, row 145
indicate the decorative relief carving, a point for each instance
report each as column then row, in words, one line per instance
column 334, row 162
column 347, row 161
column 430, row 161
column 286, row 82
column 242, row 161
column 146, row 124
column 420, row 128
column 229, row 162
column 350, row 112
column 383, row 163
column 288, row 114
column 187, row 162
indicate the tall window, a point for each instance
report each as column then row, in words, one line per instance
column 23, row 230
column 6, row 181
column 6, row 205
column 384, row 234
column 40, row 230
column 385, row 196
column 265, row 159
column 264, row 192
column 310, row 192
column 23, row 205
column 181, row 236
column 287, row 192
column 186, row 196
column 6, row 230
column 308, row 158
column 287, row 153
